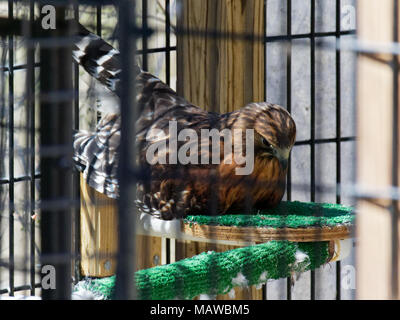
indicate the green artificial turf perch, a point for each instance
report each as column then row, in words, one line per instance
column 293, row 214
column 217, row 273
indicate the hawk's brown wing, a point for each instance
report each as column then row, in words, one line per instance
column 96, row 153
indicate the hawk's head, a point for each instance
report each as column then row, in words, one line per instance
column 274, row 130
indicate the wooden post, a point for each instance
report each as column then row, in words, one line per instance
column 220, row 74
column 99, row 238
column 216, row 73
column 374, row 152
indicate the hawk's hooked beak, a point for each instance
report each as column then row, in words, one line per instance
column 283, row 156
column 283, row 163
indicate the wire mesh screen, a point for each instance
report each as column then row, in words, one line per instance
column 40, row 205
column 19, row 165
column 317, row 85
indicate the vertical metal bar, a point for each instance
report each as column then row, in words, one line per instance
column 167, row 42
column 289, row 108
column 98, row 20
column 265, row 49
column 338, row 130
column 144, row 37
column 11, row 151
column 55, row 166
column 265, row 286
column 338, row 102
column 31, row 125
column 3, row 143
column 76, row 180
column 125, row 288
column 395, row 157
column 26, row 220
column 98, row 32
column 312, row 133
column 168, row 81
column 289, row 83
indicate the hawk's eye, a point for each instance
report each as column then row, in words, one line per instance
column 267, row 144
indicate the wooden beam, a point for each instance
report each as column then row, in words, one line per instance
column 374, row 153
column 220, row 74
column 99, row 237
column 99, row 223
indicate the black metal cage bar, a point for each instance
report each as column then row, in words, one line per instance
column 31, row 128
column 312, row 133
column 55, row 154
column 124, row 288
column 338, row 131
column 11, row 151
column 76, row 178
column 395, row 157
column 289, row 108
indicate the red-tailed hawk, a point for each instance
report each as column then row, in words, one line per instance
column 174, row 190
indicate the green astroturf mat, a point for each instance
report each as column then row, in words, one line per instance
column 293, row 214
column 217, row 273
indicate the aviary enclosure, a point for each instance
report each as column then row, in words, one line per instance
column 333, row 65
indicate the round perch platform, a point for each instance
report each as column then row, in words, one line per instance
column 293, row 221
column 266, row 234
column 310, row 235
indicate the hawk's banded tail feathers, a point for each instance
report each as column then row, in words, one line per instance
column 98, row 58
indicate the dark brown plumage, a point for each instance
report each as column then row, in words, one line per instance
column 176, row 190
